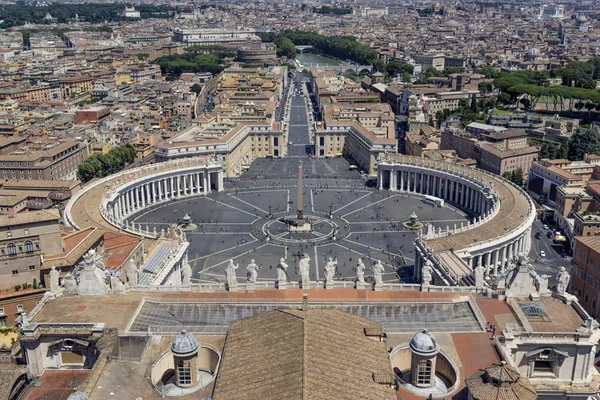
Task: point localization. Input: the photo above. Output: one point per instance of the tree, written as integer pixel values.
(474, 103)
(394, 68)
(515, 176)
(35, 284)
(585, 141)
(406, 77)
(378, 65)
(504, 98)
(543, 196)
(488, 71)
(196, 88)
(484, 87)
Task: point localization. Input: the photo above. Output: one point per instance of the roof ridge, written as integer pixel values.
(304, 358)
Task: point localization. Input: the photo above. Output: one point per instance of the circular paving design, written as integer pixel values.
(249, 220)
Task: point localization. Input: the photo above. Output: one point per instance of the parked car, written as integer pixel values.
(545, 227)
(538, 235)
(542, 253)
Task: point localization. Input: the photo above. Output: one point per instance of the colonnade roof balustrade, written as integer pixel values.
(516, 207)
(83, 210)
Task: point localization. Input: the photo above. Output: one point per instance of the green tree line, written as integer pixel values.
(332, 10)
(100, 165)
(196, 59)
(19, 13)
(577, 89)
(344, 47)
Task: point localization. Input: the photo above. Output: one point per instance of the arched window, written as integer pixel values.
(184, 373)
(12, 249)
(424, 373)
(28, 246)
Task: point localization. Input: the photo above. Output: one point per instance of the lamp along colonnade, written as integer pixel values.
(502, 216)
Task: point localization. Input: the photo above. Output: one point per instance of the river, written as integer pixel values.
(311, 58)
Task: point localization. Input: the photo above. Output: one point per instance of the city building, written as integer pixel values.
(257, 53)
(585, 277)
(26, 238)
(131, 12)
(497, 152)
(203, 36)
(46, 159)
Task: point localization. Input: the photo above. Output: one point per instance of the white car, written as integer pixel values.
(546, 227)
(290, 143)
(542, 253)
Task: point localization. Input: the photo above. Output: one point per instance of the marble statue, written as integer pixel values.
(304, 268)
(479, 272)
(92, 275)
(132, 273)
(54, 286)
(252, 271)
(378, 271)
(330, 270)
(563, 281)
(426, 273)
(230, 273)
(70, 284)
(186, 272)
(360, 272)
(282, 270)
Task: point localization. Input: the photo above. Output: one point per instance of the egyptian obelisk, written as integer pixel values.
(300, 192)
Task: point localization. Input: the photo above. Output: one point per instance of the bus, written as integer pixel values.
(434, 201)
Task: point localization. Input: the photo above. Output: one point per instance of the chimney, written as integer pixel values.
(305, 302)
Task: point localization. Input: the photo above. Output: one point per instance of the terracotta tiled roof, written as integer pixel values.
(293, 354)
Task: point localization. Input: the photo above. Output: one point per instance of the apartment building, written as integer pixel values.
(360, 132)
(546, 176)
(72, 85)
(25, 93)
(46, 158)
(496, 152)
(585, 276)
(420, 139)
(25, 239)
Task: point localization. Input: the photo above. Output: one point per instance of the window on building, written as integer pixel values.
(19, 307)
(424, 372)
(29, 246)
(12, 249)
(31, 267)
(1, 311)
(543, 368)
(184, 373)
(589, 279)
(594, 303)
(9, 235)
(582, 275)
(596, 284)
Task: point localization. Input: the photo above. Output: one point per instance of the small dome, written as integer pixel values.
(184, 344)
(424, 343)
(77, 395)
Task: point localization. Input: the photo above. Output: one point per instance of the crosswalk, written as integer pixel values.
(548, 266)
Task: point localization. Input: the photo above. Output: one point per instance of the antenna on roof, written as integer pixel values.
(305, 302)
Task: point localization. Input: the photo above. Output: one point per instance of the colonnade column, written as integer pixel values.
(393, 186)
(402, 180)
